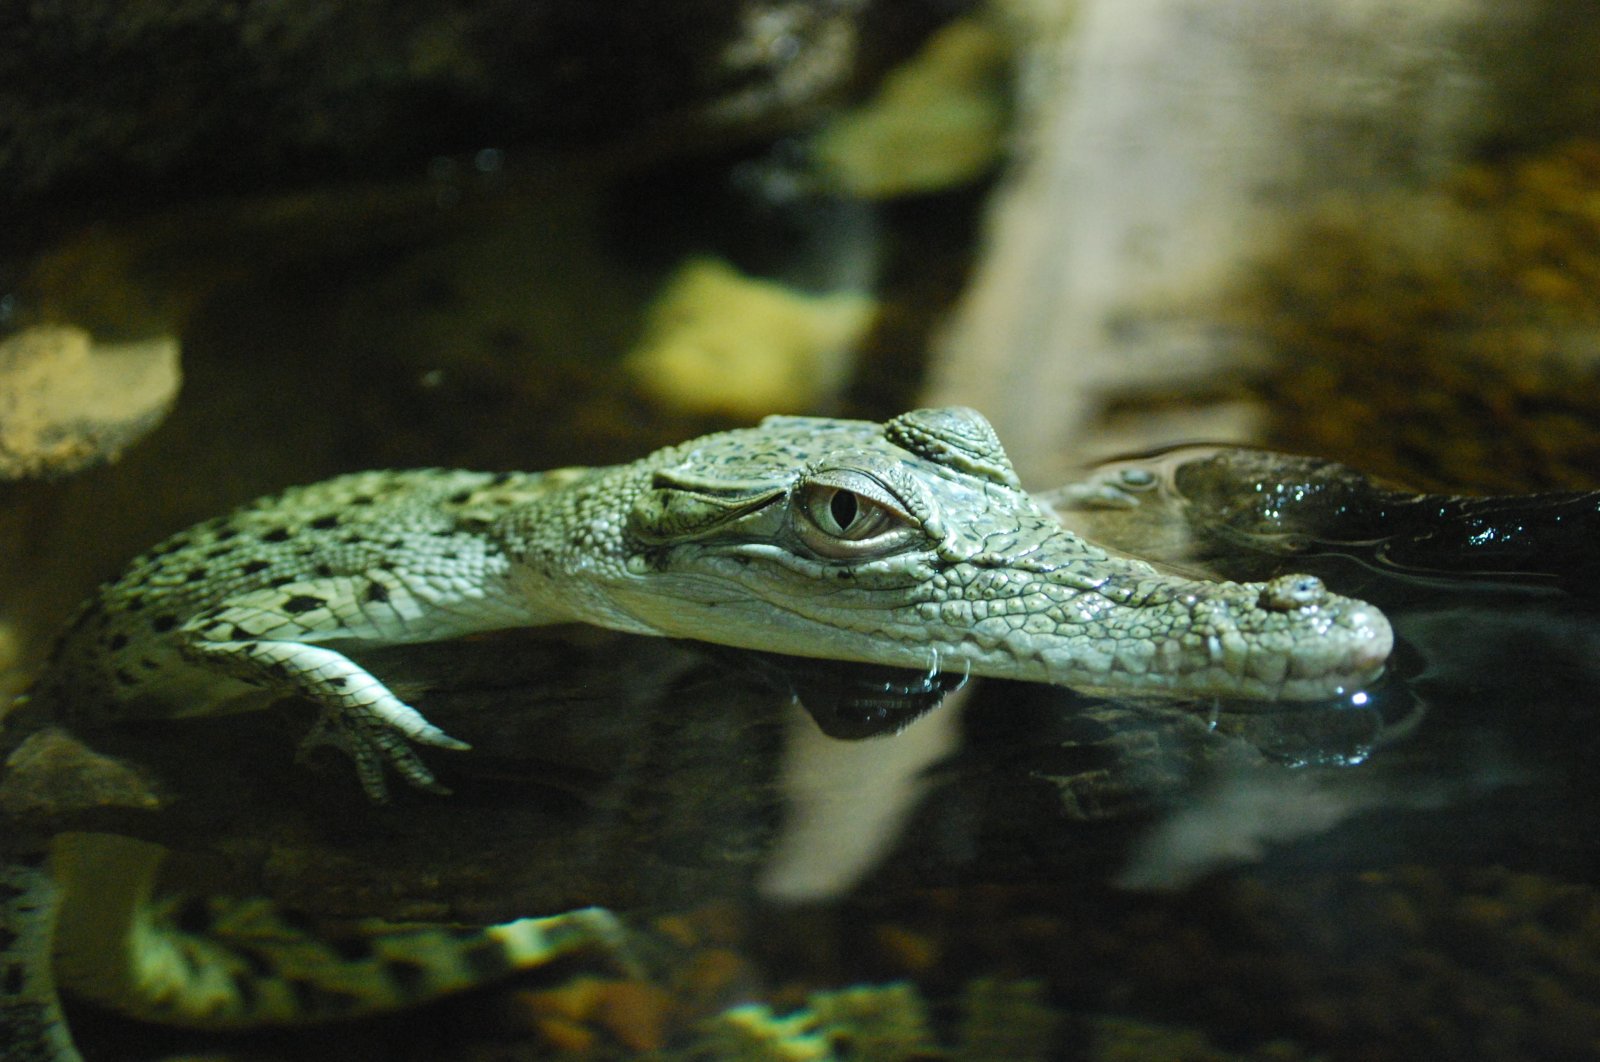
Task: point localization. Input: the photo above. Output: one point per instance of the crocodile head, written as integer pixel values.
(912, 543)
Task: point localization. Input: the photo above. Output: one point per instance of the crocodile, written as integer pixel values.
(909, 543)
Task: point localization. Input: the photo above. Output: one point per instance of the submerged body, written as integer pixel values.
(908, 543)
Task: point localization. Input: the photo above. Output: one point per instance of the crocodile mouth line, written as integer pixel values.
(1214, 668)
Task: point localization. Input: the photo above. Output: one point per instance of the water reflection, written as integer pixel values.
(1491, 598)
(848, 802)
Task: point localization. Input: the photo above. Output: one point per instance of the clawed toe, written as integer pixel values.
(375, 748)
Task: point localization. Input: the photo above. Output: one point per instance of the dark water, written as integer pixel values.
(1405, 872)
(1004, 870)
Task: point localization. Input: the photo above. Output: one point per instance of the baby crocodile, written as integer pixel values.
(907, 543)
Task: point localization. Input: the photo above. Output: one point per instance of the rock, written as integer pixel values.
(52, 774)
(718, 341)
(67, 403)
(1448, 338)
(205, 93)
(939, 121)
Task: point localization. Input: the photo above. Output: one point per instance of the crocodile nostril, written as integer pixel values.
(1287, 593)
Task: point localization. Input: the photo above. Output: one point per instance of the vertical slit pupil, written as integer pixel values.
(843, 508)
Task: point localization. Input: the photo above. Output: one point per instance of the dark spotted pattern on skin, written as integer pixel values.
(241, 602)
(32, 1028)
(908, 543)
(284, 967)
(947, 563)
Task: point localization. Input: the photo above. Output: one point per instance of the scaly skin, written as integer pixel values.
(907, 543)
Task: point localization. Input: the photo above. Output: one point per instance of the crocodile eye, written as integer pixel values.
(844, 513)
(848, 514)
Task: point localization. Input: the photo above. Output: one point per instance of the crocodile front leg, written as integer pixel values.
(265, 639)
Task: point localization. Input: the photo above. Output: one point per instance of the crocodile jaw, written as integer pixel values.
(1138, 635)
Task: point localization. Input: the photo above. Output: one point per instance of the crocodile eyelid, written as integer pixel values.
(863, 484)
